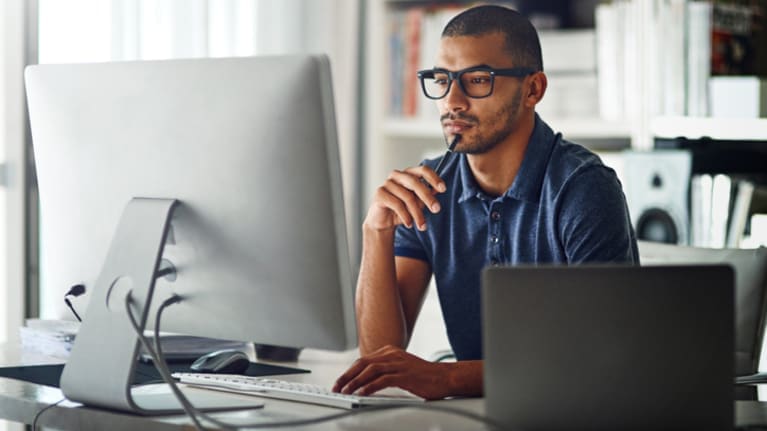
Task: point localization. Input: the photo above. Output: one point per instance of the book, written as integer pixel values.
(396, 61)
(698, 57)
(412, 52)
(740, 213)
(434, 21)
(720, 210)
(629, 56)
(701, 187)
(732, 48)
(609, 71)
(672, 16)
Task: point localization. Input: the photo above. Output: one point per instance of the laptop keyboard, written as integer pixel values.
(292, 391)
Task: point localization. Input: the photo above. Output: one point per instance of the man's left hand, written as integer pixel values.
(391, 366)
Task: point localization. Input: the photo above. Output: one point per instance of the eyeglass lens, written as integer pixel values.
(477, 83)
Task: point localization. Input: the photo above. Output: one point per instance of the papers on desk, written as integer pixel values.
(55, 338)
(49, 337)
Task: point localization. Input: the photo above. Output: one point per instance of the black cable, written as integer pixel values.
(69, 304)
(40, 413)
(195, 414)
(76, 290)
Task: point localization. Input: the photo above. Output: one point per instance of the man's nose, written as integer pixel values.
(456, 99)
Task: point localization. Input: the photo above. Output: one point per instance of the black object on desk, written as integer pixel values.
(49, 375)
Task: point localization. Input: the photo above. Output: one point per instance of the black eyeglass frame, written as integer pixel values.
(516, 72)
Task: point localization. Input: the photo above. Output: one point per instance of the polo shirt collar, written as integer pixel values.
(529, 179)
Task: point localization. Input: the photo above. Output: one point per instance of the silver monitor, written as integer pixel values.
(225, 170)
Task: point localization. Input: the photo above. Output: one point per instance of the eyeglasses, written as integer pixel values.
(476, 82)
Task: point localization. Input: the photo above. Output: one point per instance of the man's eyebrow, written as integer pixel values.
(470, 67)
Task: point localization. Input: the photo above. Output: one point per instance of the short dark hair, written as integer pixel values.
(521, 37)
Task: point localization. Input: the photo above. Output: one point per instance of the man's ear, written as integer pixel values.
(536, 88)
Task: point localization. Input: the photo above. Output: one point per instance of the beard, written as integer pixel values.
(505, 120)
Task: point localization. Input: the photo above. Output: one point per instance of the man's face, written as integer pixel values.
(483, 123)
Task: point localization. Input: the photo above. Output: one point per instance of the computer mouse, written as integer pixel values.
(227, 361)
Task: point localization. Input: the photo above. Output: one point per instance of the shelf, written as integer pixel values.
(727, 129)
(573, 129)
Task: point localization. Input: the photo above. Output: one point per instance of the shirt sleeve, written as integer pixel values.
(594, 223)
(407, 243)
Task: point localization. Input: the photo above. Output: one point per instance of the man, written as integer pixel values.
(514, 192)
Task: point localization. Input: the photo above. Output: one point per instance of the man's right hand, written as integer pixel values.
(402, 198)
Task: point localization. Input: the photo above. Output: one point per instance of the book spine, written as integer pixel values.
(608, 55)
(698, 57)
(413, 21)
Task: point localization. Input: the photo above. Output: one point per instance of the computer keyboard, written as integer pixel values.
(291, 391)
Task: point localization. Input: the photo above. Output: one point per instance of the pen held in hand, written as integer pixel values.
(446, 156)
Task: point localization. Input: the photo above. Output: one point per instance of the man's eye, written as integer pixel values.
(479, 80)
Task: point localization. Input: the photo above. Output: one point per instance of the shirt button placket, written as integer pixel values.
(494, 231)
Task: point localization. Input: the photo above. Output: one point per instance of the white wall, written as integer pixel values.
(12, 141)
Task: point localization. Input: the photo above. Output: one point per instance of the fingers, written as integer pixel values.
(374, 374)
(358, 367)
(429, 176)
(391, 366)
(382, 382)
(404, 202)
(406, 193)
(364, 369)
(353, 371)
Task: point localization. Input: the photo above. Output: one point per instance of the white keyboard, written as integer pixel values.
(292, 391)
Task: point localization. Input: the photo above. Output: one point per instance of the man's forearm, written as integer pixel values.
(380, 316)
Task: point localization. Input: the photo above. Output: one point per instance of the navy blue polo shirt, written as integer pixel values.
(564, 207)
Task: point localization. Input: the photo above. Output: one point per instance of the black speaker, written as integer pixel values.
(657, 190)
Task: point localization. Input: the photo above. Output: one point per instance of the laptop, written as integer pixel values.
(609, 347)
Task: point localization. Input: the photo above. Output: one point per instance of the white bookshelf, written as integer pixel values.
(575, 128)
(731, 129)
(572, 127)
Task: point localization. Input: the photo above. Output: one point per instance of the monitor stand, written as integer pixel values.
(102, 361)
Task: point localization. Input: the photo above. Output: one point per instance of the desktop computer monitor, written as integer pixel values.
(226, 171)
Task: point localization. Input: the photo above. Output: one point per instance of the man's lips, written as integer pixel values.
(456, 127)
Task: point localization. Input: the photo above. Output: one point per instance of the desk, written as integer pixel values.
(20, 401)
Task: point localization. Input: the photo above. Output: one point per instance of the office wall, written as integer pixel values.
(12, 171)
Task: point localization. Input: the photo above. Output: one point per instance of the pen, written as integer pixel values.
(444, 158)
